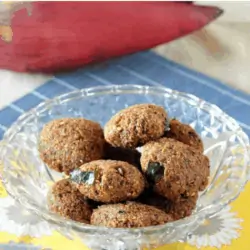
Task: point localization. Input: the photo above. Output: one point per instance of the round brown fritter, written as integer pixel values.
(135, 125)
(67, 143)
(66, 200)
(175, 169)
(132, 156)
(184, 133)
(178, 210)
(129, 215)
(109, 181)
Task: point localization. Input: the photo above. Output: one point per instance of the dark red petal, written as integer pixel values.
(67, 35)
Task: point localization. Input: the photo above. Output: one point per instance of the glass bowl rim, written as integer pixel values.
(115, 89)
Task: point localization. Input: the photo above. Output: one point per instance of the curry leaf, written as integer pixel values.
(154, 171)
(78, 176)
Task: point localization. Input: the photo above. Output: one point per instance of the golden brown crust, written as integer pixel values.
(182, 170)
(67, 143)
(129, 215)
(114, 181)
(135, 126)
(184, 133)
(66, 200)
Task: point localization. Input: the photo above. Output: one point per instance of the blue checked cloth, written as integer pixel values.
(144, 68)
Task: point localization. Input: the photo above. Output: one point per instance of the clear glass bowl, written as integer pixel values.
(28, 180)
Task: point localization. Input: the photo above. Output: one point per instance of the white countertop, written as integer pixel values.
(15, 85)
(221, 50)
